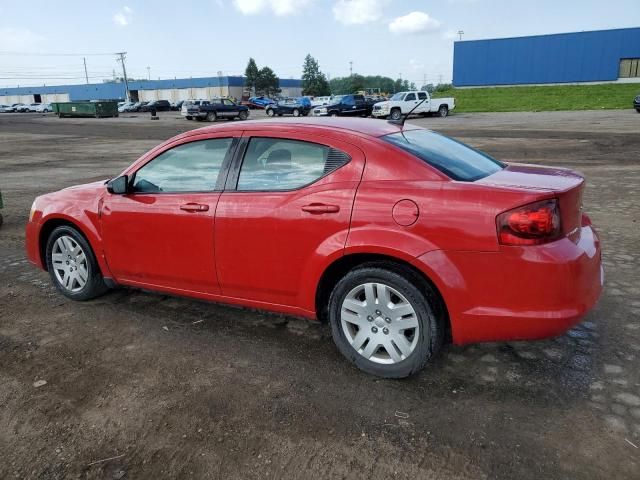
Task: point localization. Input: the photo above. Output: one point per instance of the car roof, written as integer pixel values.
(361, 126)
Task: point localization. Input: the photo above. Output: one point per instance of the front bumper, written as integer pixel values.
(519, 293)
(380, 113)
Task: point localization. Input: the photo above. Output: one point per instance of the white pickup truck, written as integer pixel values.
(402, 103)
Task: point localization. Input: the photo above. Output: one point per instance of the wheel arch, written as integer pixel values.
(338, 268)
(50, 225)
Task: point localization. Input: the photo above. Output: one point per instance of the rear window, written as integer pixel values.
(455, 159)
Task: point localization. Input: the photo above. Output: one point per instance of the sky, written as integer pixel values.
(410, 39)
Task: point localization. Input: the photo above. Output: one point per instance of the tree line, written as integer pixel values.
(264, 81)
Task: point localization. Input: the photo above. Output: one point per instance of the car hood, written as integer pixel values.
(86, 186)
(382, 104)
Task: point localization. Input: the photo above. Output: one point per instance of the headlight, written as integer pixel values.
(322, 110)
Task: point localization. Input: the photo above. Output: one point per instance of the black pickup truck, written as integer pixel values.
(346, 106)
(217, 108)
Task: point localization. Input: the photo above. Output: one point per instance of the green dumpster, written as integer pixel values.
(86, 109)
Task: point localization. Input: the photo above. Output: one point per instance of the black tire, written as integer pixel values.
(188, 117)
(333, 114)
(95, 285)
(212, 117)
(199, 119)
(270, 112)
(443, 111)
(638, 110)
(396, 114)
(296, 112)
(419, 294)
(1, 219)
(243, 115)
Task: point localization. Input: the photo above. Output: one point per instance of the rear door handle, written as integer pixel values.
(194, 207)
(319, 208)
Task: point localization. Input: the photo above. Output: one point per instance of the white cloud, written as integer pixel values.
(356, 12)
(123, 17)
(279, 8)
(19, 39)
(413, 23)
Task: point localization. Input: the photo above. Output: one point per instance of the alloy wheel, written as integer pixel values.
(380, 323)
(69, 263)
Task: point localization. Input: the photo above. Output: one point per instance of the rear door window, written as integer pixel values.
(455, 159)
(272, 164)
(409, 97)
(422, 95)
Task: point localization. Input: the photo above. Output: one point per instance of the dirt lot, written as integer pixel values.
(174, 388)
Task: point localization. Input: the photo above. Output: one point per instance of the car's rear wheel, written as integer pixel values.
(188, 117)
(385, 323)
(72, 265)
(243, 115)
(443, 111)
(333, 114)
(296, 112)
(270, 112)
(396, 114)
(211, 117)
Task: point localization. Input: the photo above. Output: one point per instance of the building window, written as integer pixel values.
(629, 68)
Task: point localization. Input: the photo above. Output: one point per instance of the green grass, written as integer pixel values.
(548, 98)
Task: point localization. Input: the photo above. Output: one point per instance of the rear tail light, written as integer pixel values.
(531, 224)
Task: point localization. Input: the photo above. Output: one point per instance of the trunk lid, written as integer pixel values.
(565, 185)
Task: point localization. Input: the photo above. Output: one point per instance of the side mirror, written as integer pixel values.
(118, 186)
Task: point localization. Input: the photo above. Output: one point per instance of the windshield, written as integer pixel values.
(335, 100)
(455, 159)
(398, 97)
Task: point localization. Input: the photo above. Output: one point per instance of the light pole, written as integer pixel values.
(149, 73)
(460, 33)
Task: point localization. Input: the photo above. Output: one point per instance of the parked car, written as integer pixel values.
(176, 106)
(44, 108)
(6, 109)
(217, 108)
(320, 101)
(258, 102)
(21, 107)
(137, 106)
(346, 106)
(184, 110)
(636, 103)
(289, 106)
(32, 107)
(398, 236)
(125, 106)
(158, 105)
(403, 102)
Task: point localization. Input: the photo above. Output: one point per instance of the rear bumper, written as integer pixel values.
(519, 293)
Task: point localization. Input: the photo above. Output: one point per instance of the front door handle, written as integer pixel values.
(194, 207)
(318, 208)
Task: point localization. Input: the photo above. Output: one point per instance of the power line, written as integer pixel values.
(32, 54)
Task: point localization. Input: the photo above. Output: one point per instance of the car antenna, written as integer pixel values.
(404, 117)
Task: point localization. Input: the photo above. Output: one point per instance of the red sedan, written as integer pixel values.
(400, 237)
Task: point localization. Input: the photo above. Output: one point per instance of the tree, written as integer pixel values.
(251, 75)
(314, 82)
(267, 83)
(429, 87)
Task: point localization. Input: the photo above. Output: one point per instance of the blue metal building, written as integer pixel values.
(177, 89)
(596, 56)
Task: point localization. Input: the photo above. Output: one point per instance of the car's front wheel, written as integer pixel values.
(296, 112)
(384, 322)
(396, 114)
(72, 265)
(243, 115)
(211, 117)
(188, 117)
(270, 112)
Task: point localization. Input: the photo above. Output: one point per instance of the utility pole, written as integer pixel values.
(440, 80)
(351, 68)
(149, 73)
(424, 79)
(86, 75)
(124, 74)
(460, 33)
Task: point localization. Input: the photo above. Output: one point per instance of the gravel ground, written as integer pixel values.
(175, 388)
